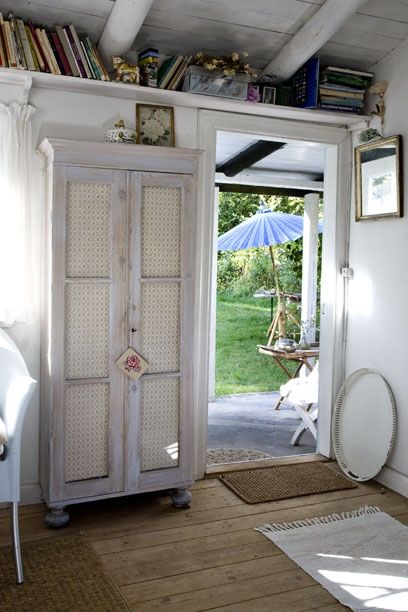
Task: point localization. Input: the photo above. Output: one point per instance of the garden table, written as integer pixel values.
(301, 357)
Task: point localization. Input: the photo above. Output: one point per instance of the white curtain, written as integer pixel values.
(16, 265)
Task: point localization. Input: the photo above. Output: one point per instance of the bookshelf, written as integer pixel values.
(27, 79)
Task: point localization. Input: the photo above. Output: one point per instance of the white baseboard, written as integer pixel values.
(30, 494)
(393, 480)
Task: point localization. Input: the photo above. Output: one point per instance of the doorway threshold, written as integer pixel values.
(222, 468)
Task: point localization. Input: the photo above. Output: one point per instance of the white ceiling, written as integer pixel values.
(302, 158)
(261, 27)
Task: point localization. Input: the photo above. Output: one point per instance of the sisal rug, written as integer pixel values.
(61, 574)
(283, 481)
(360, 557)
(234, 455)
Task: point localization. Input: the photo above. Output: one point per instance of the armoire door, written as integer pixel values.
(89, 279)
(161, 328)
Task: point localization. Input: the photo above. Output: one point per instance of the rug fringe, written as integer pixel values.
(318, 520)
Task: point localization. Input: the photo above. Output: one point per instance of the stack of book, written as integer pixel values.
(343, 89)
(172, 71)
(30, 47)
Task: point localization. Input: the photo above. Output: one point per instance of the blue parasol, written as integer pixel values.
(265, 228)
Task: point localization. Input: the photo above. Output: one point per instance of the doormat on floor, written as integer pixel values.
(283, 481)
(61, 573)
(360, 557)
(234, 455)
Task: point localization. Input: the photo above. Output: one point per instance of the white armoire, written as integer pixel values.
(119, 267)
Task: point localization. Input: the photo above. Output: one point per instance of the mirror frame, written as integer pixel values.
(358, 182)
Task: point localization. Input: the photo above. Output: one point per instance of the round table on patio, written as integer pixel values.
(302, 357)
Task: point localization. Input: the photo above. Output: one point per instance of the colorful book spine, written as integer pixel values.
(174, 72)
(21, 61)
(67, 50)
(167, 69)
(84, 63)
(11, 61)
(305, 85)
(60, 53)
(175, 82)
(48, 51)
(53, 48)
(90, 53)
(42, 60)
(88, 61)
(25, 44)
(349, 71)
(3, 51)
(342, 92)
(78, 61)
(34, 53)
(342, 78)
(13, 44)
(339, 108)
(342, 101)
(105, 75)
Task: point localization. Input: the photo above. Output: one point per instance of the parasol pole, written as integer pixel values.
(280, 316)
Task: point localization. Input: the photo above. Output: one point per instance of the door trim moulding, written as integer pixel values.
(337, 194)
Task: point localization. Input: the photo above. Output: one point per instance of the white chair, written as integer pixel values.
(16, 389)
(302, 394)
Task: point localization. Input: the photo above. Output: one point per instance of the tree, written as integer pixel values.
(243, 272)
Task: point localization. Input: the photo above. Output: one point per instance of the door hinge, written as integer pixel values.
(347, 272)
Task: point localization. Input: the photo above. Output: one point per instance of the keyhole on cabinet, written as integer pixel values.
(134, 329)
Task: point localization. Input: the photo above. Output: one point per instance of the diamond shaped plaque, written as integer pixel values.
(132, 364)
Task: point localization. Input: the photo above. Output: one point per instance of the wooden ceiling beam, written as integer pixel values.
(323, 24)
(121, 28)
(273, 179)
(249, 156)
(258, 190)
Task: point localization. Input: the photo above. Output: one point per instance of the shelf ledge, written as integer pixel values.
(27, 79)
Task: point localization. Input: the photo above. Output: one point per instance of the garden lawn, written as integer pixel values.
(242, 324)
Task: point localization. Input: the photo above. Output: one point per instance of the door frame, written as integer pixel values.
(337, 197)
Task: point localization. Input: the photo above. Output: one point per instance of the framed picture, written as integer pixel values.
(378, 179)
(269, 95)
(155, 125)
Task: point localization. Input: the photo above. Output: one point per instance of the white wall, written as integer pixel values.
(78, 117)
(378, 333)
(378, 313)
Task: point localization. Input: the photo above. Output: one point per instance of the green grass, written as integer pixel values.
(241, 325)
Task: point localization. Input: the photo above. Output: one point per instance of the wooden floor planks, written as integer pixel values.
(208, 557)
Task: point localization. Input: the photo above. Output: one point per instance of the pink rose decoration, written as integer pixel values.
(133, 363)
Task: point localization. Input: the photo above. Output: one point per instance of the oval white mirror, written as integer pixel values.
(364, 424)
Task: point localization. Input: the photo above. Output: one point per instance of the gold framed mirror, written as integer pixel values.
(378, 179)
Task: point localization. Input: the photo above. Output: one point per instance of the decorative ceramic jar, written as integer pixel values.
(286, 344)
(120, 133)
(199, 80)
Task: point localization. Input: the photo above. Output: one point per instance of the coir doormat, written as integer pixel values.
(283, 481)
(61, 574)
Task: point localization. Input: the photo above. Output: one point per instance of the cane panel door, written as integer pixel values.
(160, 322)
(89, 274)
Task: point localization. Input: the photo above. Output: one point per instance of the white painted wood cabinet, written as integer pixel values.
(118, 273)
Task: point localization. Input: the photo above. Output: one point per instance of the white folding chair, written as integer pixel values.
(16, 389)
(302, 394)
